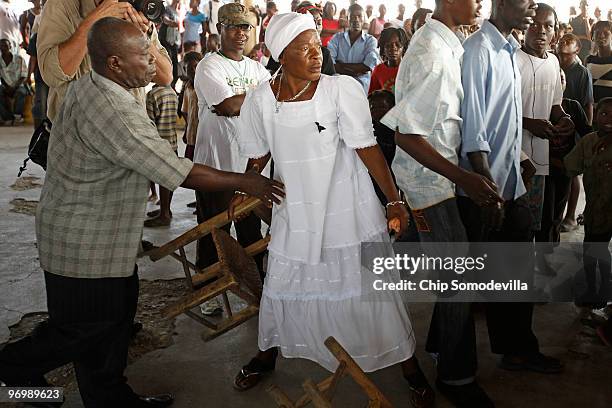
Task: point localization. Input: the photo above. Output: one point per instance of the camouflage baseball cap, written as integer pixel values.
(233, 14)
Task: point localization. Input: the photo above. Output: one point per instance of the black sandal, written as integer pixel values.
(421, 394)
(251, 374)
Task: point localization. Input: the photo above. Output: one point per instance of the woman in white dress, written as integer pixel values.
(318, 131)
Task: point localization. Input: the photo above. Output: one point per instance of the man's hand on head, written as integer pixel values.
(109, 8)
(138, 19)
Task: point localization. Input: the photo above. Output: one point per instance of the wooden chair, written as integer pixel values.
(235, 272)
(321, 394)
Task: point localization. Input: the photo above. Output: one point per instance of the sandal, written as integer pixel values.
(422, 397)
(421, 393)
(251, 374)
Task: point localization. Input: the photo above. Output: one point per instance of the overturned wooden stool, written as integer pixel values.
(236, 272)
(322, 393)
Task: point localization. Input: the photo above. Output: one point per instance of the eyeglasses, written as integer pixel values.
(236, 27)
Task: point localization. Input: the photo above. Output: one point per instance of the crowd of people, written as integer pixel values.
(444, 127)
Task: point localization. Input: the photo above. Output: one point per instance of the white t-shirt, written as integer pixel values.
(540, 89)
(397, 23)
(213, 18)
(218, 78)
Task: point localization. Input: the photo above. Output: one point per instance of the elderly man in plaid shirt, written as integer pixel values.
(102, 152)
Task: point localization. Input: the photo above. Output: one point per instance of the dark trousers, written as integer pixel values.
(173, 52)
(556, 194)
(596, 252)
(248, 231)
(509, 324)
(451, 332)
(89, 324)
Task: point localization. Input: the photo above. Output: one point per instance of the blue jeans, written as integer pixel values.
(10, 106)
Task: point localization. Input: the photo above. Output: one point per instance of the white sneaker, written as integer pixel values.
(212, 308)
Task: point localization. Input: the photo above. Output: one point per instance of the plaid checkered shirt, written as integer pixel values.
(103, 151)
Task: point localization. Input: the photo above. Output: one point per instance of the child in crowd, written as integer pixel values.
(162, 105)
(255, 53)
(600, 64)
(558, 184)
(592, 157)
(212, 44)
(381, 102)
(392, 44)
(189, 46)
(578, 89)
(189, 107)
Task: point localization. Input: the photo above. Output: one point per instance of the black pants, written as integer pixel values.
(451, 332)
(596, 252)
(89, 324)
(509, 324)
(556, 194)
(173, 52)
(248, 231)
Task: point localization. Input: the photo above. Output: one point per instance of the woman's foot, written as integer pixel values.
(421, 393)
(251, 374)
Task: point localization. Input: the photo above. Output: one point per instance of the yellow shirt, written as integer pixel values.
(59, 21)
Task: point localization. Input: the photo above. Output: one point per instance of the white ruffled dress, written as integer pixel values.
(313, 288)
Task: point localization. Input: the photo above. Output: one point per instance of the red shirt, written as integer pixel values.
(383, 77)
(329, 24)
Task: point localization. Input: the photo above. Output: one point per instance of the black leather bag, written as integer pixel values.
(37, 150)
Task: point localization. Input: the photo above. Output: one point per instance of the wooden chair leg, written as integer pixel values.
(317, 398)
(357, 373)
(281, 399)
(335, 379)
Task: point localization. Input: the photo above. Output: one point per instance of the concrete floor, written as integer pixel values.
(200, 374)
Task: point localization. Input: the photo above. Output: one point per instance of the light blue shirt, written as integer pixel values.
(363, 51)
(193, 27)
(492, 107)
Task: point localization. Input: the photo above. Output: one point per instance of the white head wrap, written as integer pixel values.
(283, 28)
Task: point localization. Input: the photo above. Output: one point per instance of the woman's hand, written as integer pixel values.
(236, 200)
(398, 218)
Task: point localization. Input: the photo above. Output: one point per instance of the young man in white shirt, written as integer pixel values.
(542, 94)
(427, 122)
(221, 82)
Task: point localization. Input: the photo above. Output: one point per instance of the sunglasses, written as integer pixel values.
(236, 27)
